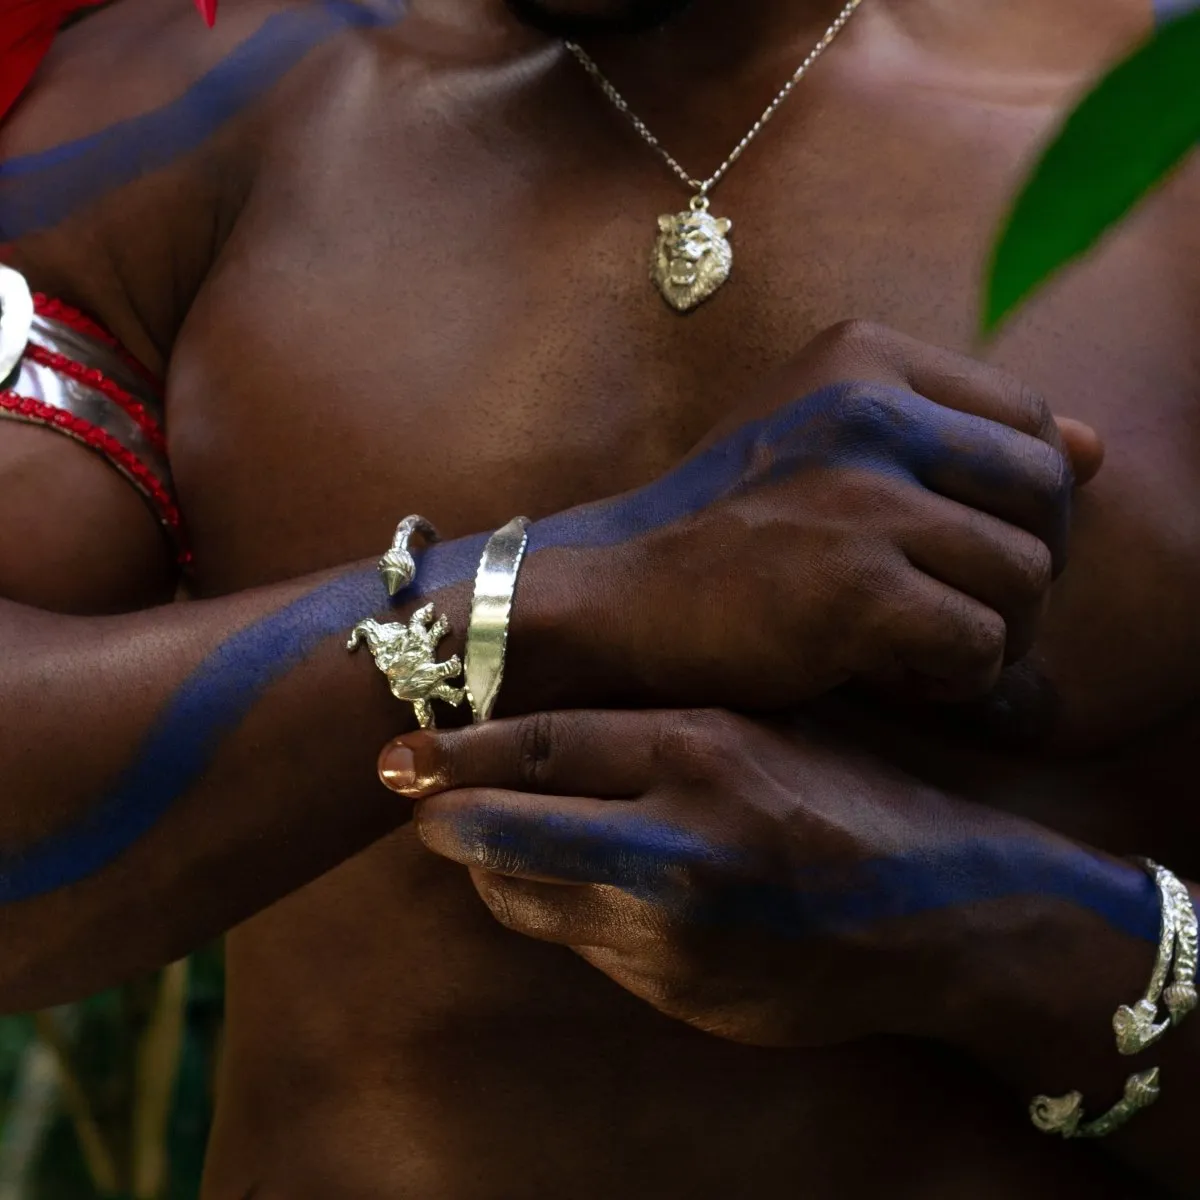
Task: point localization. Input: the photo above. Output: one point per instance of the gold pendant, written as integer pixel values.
(692, 255)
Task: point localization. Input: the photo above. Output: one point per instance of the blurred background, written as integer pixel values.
(111, 1099)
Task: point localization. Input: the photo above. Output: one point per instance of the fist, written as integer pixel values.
(882, 511)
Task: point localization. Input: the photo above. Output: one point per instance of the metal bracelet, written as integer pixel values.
(1135, 1026)
(1180, 996)
(491, 607)
(406, 652)
(1064, 1114)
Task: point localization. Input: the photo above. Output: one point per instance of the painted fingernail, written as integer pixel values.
(398, 768)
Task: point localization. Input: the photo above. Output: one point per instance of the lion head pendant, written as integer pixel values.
(692, 255)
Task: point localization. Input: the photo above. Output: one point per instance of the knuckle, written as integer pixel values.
(489, 842)
(872, 413)
(979, 632)
(698, 743)
(1034, 566)
(1030, 412)
(1050, 473)
(495, 895)
(869, 496)
(535, 741)
(858, 335)
(869, 572)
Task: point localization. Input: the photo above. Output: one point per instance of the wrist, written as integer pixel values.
(567, 638)
(1031, 990)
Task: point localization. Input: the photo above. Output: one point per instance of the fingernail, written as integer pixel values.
(398, 768)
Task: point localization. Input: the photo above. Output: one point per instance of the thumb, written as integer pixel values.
(1083, 446)
(416, 765)
(575, 753)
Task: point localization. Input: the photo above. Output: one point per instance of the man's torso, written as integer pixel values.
(432, 294)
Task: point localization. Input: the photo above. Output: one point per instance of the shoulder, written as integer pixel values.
(120, 62)
(134, 147)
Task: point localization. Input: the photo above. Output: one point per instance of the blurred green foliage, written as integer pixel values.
(1127, 134)
(112, 1097)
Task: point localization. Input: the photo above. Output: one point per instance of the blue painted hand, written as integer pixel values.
(758, 883)
(900, 524)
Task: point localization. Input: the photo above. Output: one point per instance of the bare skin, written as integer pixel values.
(374, 258)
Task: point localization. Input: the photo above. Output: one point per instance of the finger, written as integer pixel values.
(950, 639)
(1001, 566)
(990, 467)
(553, 838)
(567, 914)
(572, 753)
(967, 385)
(959, 382)
(1084, 448)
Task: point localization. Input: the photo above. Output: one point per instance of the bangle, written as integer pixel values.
(1134, 1025)
(491, 607)
(1064, 1114)
(406, 652)
(1180, 997)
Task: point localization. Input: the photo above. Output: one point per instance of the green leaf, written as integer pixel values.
(1138, 123)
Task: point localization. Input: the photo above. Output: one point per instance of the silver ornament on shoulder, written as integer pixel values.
(692, 255)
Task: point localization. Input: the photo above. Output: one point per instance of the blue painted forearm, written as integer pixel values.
(216, 698)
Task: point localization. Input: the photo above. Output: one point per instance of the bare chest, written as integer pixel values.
(467, 329)
(471, 331)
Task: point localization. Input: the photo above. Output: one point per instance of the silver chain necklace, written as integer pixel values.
(692, 255)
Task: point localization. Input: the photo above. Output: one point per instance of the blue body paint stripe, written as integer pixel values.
(646, 858)
(220, 693)
(39, 190)
(957, 874)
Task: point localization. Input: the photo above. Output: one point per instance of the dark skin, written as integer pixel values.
(386, 1036)
(680, 852)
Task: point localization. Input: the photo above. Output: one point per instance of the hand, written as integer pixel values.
(779, 890)
(768, 888)
(900, 524)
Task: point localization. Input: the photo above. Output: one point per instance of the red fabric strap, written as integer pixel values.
(27, 31)
(135, 443)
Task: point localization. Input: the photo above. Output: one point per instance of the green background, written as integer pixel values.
(143, 1058)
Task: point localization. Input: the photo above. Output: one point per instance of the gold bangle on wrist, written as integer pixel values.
(1135, 1025)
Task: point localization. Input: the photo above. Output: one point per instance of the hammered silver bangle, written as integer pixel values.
(491, 608)
(1135, 1025)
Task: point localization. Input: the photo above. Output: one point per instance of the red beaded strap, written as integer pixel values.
(38, 413)
(95, 378)
(75, 318)
(110, 403)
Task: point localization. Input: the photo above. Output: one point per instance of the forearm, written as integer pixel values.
(1031, 995)
(168, 773)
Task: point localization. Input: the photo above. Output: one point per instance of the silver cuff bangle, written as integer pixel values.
(1136, 1026)
(491, 607)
